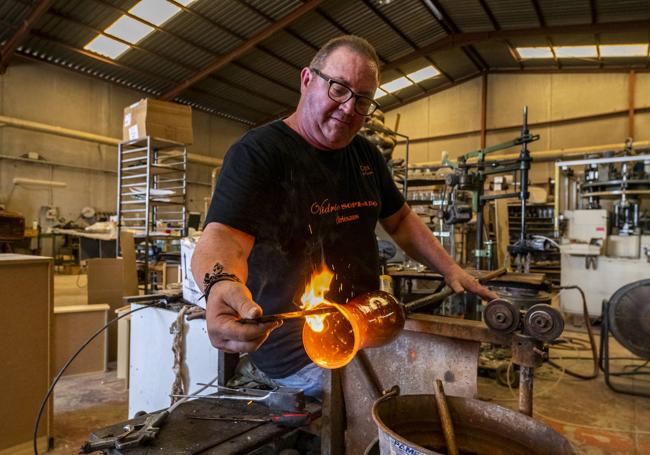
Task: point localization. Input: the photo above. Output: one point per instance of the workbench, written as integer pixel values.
(181, 434)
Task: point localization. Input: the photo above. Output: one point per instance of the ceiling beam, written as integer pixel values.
(168, 60)
(271, 20)
(231, 32)
(463, 39)
(398, 32)
(156, 78)
(10, 46)
(241, 50)
(495, 24)
(205, 50)
(451, 28)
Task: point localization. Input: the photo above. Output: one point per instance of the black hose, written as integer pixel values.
(592, 341)
(67, 364)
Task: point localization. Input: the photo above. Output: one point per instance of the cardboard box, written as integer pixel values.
(159, 119)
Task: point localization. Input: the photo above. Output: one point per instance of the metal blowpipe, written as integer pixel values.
(290, 315)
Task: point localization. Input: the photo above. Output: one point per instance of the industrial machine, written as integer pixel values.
(471, 177)
(604, 224)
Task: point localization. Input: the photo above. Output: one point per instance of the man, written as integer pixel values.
(299, 194)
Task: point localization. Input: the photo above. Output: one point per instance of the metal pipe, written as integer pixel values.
(526, 390)
(554, 154)
(90, 137)
(524, 165)
(445, 418)
(556, 203)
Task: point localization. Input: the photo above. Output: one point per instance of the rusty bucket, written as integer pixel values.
(409, 424)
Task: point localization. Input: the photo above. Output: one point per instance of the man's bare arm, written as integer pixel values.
(229, 301)
(416, 239)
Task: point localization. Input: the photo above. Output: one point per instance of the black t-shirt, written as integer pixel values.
(306, 208)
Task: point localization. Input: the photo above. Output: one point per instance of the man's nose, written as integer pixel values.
(348, 106)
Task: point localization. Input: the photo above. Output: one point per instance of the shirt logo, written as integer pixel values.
(366, 170)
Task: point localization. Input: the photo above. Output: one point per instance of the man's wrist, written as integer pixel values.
(218, 274)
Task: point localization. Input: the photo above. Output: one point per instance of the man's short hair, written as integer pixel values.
(355, 43)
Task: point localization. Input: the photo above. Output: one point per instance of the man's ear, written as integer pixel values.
(306, 76)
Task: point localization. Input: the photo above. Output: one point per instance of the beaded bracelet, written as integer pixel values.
(216, 276)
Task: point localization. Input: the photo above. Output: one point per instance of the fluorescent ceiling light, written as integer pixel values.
(129, 29)
(155, 11)
(535, 52)
(623, 50)
(396, 85)
(106, 46)
(575, 51)
(379, 93)
(185, 2)
(425, 73)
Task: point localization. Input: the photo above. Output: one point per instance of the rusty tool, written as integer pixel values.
(439, 297)
(289, 315)
(445, 418)
(286, 419)
(282, 399)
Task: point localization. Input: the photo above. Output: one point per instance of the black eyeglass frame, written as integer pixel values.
(374, 105)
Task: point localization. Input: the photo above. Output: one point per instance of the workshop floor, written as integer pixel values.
(594, 418)
(83, 403)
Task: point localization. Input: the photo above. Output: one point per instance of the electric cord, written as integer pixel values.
(536, 394)
(592, 341)
(70, 360)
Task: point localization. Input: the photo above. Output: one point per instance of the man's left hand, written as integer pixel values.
(461, 281)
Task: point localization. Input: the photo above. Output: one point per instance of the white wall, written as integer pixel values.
(49, 94)
(550, 97)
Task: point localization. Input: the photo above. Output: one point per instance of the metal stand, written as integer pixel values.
(151, 192)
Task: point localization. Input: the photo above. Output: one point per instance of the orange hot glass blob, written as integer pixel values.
(369, 320)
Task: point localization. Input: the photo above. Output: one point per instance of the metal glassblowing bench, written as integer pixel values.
(211, 426)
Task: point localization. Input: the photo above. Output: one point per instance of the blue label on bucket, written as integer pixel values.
(399, 448)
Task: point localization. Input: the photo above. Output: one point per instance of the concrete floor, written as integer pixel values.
(597, 420)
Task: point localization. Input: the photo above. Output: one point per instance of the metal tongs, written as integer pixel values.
(134, 434)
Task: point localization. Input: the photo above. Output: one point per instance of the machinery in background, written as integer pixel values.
(605, 225)
(472, 176)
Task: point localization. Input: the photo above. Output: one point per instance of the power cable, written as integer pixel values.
(71, 359)
(592, 341)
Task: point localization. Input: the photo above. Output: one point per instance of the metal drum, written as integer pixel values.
(409, 424)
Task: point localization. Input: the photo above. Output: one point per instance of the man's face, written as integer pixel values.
(328, 124)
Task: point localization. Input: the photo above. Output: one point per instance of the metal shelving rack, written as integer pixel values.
(151, 191)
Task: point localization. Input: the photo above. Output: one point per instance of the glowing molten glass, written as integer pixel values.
(315, 296)
(369, 320)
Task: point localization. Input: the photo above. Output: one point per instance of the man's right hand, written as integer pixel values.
(228, 302)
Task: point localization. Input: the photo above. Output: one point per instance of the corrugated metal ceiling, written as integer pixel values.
(263, 82)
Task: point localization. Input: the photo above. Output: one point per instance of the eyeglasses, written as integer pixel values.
(341, 93)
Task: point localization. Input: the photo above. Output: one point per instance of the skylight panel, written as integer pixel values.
(535, 52)
(155, 11)
(623, 50)
(129, 29)
(106, 46)
(395, 85)
(379, 93)
(425, 73)
(575, 51)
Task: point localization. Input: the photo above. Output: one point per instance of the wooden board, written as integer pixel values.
(25, 350)
(73, 325)
(105, 285)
